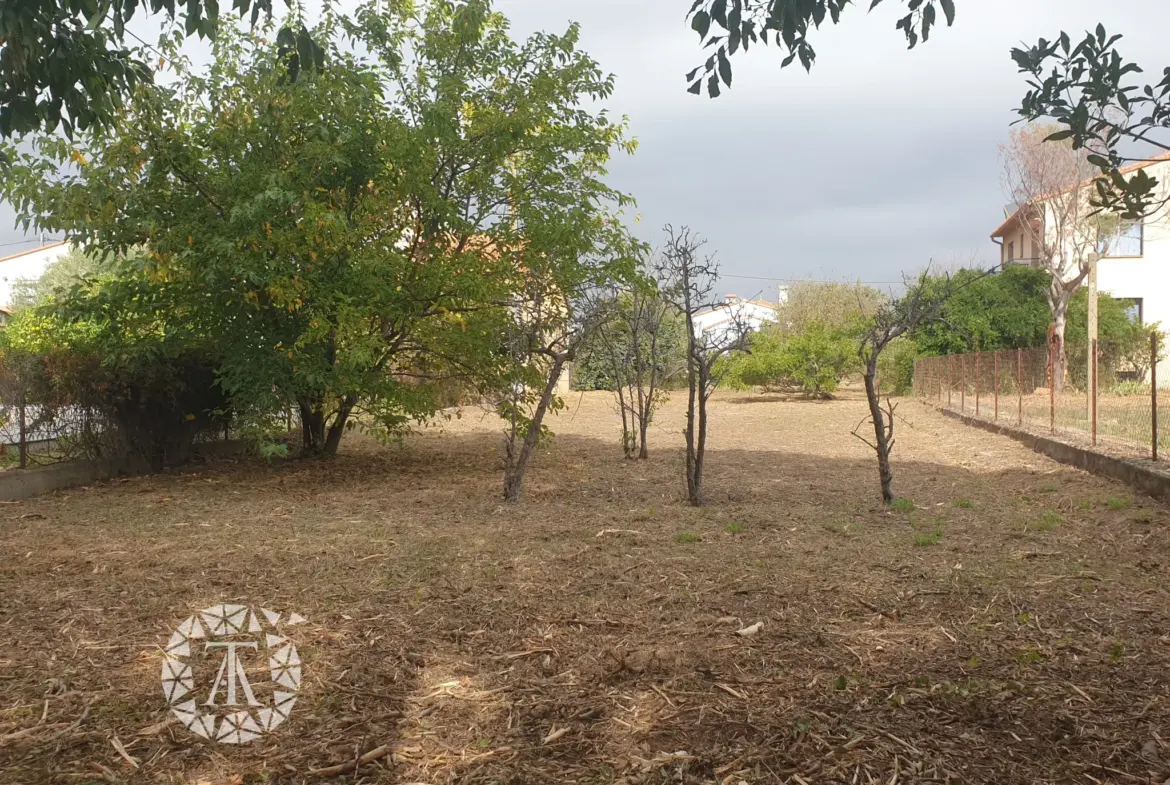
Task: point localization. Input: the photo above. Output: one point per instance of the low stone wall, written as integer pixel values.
(1144, 478)
(22, 483)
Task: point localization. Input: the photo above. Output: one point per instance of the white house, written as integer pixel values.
(1136, 262)
(27, 265)
(719, 320)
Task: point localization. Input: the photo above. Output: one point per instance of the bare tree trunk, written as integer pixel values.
(695, 481)
(628, 418)
(337, 429)
(881, 430)
(643, 426)
(312, 427)
(1060, 297)
(693, 397)
(517, 462)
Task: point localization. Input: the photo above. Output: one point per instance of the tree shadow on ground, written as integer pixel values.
(999, 632)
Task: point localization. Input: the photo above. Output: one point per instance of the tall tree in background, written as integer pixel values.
(687, 277)
(729, 26)
(1051, 183)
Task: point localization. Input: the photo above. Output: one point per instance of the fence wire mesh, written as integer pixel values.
(1118, 404)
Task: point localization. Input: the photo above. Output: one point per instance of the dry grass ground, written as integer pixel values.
(1013, 627)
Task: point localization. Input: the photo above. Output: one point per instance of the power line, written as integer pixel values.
(808, 280)
(31, 240)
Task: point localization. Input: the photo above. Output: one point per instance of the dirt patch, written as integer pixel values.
(1009, 624)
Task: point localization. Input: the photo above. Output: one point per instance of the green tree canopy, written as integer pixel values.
(730, 26)
(342, 239)
(67, 63)
(1008, 310)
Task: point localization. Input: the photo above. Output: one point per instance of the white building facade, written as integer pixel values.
(1135, 265)
(27, 265)
(720, 321)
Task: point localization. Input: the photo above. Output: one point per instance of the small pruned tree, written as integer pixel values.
(921, 304)
(688, 276)
(640, 348)
(556, 305)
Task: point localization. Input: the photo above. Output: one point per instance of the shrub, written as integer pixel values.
(812, 361)
(142, 392)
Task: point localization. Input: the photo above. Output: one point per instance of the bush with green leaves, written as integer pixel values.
(1007, 310)
(144, 387)
(896, 366)
(1123, 344)
(812, 361)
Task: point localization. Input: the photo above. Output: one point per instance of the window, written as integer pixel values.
(1133, 308)
(1126, 241)
(1011, 251)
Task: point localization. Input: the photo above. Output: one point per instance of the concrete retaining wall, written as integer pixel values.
(1143, 478)
(22, 483)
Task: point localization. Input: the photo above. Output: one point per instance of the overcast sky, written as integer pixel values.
(878, 161)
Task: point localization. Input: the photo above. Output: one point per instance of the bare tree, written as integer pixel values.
(1052, 186)
(639, 345)
(545, 331)
(921, 304)
(688, 281)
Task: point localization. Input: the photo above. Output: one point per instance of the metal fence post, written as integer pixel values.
(23, 431)
(950, 369)
(995, 382)
(962, 382)
(1093, 391)
(1020, 385)
(1154, 395)
(978, 378)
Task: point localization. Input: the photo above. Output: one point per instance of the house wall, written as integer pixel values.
(1146, 277)
(1023, 250)
(720, 319)
(27, 265)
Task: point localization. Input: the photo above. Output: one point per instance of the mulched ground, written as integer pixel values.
(1013, 627)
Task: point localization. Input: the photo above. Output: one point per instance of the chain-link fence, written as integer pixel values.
(1116, 401)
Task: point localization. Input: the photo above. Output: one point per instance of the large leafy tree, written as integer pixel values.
(68, 62)
(341, 236)
(727, 27)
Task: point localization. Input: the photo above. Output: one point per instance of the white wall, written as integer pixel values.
(1148, 276)
(27, 265)
(720, 320)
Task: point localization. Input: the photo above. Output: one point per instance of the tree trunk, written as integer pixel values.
(628, 436)
(337, 429)
(692, 416)
(1058, 356)
(701, 438)
(643, 426)
(312, 427)
(517, 462)
(879, 427)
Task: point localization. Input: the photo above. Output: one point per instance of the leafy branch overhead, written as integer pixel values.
(1085, 87)
(729, 26)
(66, 64)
